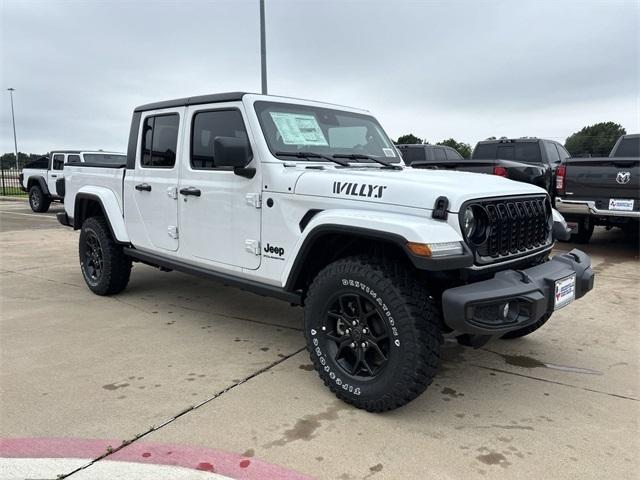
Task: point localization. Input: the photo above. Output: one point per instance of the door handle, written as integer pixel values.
(190, 191)
(143, 187)
(54, 176)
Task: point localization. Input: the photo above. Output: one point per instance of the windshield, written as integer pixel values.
(107, 158)
(294, 128)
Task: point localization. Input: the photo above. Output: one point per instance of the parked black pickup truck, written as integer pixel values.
(601, 190)
(529, 160)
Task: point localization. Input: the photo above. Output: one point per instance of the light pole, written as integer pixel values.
(13, 119)
(263, 49)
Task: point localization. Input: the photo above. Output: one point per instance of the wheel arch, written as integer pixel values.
(89, 204)
(330, 242)
(39, 181)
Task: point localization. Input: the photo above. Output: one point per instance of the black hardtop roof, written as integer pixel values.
(199, 100)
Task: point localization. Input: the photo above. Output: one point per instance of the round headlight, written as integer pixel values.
(468, 222)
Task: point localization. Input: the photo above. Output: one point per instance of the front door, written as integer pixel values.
(219, 211)
(150, 190)
(55, 172)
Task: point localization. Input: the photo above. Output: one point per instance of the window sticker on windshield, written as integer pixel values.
(298, 129)
(388, 152)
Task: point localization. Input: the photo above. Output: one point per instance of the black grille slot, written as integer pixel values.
(515, 226)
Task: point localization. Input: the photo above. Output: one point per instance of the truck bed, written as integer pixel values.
(88, 178)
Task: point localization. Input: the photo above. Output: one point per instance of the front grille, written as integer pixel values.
(514, 226)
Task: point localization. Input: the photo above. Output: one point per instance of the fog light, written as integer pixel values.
(505, 311)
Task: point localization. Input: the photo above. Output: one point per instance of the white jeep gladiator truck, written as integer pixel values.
(311, 203)
(41, 177)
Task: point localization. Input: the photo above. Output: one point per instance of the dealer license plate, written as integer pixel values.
(565, 291)
(620, 204)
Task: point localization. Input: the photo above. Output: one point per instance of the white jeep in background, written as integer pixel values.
(39, 177)
(311, 203)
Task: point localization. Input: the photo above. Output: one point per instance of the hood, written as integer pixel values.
(408, 187)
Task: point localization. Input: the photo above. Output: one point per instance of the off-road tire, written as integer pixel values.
(413, 320)
(526, 330)
(115, 265)
(38, 200)
(585, 230)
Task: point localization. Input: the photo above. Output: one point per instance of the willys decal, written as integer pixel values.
(359, 189)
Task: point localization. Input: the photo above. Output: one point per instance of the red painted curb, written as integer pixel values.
(225, 463)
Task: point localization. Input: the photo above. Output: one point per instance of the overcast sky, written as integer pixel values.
(439, 69)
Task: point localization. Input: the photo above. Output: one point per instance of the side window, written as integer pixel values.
(205, 127)
(73, 159)
(160, 141)
(552, 152)
(438, 153)
(413, 154)
(453, 154)
(58, 162)
(562, 152)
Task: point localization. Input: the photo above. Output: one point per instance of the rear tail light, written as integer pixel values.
(561, 179)
(500, 171)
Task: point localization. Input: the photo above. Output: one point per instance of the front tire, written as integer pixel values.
(38, 201)
(105, 267)
(372, 332)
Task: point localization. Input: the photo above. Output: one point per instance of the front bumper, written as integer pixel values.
(588, 207)
(478, 308)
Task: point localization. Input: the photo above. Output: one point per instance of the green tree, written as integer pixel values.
(597, 139)
(463, 149)
(408, 139)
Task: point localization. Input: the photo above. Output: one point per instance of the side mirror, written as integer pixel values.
(231, 152)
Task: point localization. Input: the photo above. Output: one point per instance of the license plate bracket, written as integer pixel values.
(564, 292)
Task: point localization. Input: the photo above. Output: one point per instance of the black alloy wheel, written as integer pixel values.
(357, 336)
(93, 257)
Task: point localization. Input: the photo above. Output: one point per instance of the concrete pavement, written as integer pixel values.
(183, 361)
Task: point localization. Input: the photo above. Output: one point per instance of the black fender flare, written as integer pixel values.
(42, 183)
(420, 263)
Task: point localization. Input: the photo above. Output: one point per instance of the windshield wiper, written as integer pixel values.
(312, 155)
(360, 156)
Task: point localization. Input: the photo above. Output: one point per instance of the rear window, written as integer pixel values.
(105, 158)
(628, 147)
(438, 154)
(527, 152)
(453, 154)
(413, 154)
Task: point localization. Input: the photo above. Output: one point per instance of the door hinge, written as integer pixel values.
(254, 199)
(172, 231)
(252, 246)
(172, 192)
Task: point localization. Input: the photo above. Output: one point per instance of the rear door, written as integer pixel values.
(150, 189)
(219, 210)
(55, 172)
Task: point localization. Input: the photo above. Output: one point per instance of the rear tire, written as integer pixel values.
(372, 332)
(105, 267)
(527, 330)
(38, 201)
(585, 230)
